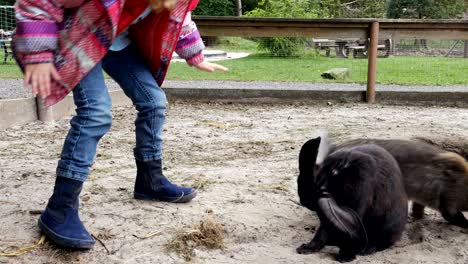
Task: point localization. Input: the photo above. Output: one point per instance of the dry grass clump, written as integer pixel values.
(282, 187)
(208, 234)
(200, 182)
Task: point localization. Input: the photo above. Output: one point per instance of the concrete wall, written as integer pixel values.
(17, 112)
(14, 112)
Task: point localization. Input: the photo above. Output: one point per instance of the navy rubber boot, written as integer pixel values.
(60, 221)
(151, 184)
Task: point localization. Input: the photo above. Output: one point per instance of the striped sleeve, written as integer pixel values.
(190, 45)
(36, 29)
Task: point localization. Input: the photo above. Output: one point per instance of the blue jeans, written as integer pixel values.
(93, 112)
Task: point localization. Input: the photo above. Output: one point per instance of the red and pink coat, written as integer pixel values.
(76, 34)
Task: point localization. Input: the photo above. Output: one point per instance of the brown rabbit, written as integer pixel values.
(432, 176)
(457, 145)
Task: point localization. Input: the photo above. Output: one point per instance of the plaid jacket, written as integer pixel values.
(76, 34)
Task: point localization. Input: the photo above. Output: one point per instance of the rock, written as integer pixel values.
(336, 74)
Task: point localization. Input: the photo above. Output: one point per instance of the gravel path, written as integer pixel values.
(13, 88)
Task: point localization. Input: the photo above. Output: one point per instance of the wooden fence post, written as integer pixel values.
(44, 113)
(372, 63)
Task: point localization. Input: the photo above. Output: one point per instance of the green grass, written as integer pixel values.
(393, 70)
(9, 70)
(423, 71)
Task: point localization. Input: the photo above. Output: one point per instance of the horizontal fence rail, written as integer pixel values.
(332, 28)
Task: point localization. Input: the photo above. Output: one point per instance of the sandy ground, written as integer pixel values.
(244, 157)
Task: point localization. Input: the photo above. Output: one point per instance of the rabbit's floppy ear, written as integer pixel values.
(343, 220)
(306, 178)
(324, 147)
(308, 156)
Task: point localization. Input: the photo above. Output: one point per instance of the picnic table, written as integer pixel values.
(384, 48)
(357, 47)
(327, 44)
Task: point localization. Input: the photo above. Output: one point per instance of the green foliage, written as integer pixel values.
(249, 5)
(282, 47)
(287, 9)
(420, 9)
(7, 2)
(215, 8)
(363, 9)
(222, 7)
(279, 47)
(320, 8)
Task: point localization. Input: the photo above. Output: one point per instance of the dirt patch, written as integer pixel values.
(244, 160)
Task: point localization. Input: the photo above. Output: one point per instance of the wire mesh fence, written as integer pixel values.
(301, 58)
(7, 25)
(406, 62)
(7, 18)
(278, 59)
(438, 62)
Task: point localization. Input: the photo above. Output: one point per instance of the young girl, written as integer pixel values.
(63, 46)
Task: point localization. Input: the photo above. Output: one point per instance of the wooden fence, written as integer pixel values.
(372, 29)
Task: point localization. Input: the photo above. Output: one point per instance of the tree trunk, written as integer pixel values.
(466, 49)
(238, 8)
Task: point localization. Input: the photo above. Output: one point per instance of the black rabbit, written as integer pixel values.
(358, 195)
(432, 176)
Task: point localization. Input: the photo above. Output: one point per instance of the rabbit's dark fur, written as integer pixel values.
(358, 195)
(432, 176)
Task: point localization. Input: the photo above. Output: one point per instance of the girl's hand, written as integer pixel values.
(38, 77)
(210, 67)
(160, 5)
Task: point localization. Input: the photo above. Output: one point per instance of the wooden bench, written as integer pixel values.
(357, 47)
(340, 45)
(360, 51)
(324, 44)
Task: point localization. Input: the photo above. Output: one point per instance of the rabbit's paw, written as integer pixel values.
(309, 248)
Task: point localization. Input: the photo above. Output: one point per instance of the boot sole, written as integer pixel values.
(182, 199)
(65, 241)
